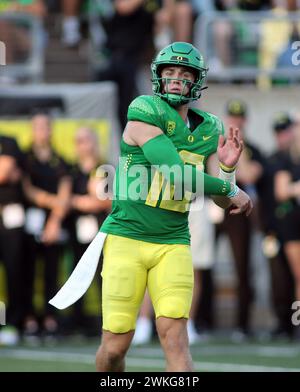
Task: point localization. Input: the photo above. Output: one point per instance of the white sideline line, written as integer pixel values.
(266, 351)
(48, 356)
(145, 363)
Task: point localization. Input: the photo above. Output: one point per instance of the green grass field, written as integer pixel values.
(218, 355)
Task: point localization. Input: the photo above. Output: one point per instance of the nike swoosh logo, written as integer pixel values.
(207, 137)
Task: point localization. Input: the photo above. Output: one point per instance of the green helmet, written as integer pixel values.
(184, 54)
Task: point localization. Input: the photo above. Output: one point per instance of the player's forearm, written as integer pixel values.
(221, 201)
(160, 151)
(228, 174)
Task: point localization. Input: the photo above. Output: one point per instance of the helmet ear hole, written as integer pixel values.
(159, 70)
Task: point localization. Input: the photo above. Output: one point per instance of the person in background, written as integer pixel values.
(128, 44)
(271, 212)
(47, 187)
(15, 37)
(287, 193)
(173, 22)
(12, 218)
(71, 34)
(87, 210)
(275, 41)
(239, 228)
(202, 246)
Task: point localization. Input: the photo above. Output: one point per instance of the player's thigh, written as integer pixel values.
(171, 282)
(123, 283)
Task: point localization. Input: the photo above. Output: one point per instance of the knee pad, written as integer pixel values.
(173, 307)
(119, 322)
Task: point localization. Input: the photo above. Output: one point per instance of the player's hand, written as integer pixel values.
(230, 149)
(241, 203)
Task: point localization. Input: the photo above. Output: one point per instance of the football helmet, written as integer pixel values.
(184, 54)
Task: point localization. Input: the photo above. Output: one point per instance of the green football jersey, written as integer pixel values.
(157, 218)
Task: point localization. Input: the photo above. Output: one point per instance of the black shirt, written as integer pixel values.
(269, 206)
(129, 36)
(45, 175)
(80, 181)
(253, 155)
(11, 192)
(292, 165)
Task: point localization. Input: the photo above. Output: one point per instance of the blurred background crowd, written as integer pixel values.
(63, 63)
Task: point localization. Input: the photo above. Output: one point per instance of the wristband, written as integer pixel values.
(227, 169)
(227, 176)
(233, 192)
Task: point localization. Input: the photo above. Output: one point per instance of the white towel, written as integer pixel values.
(82, 276)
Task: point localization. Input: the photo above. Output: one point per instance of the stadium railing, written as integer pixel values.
(258, 44)
(30, 67)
